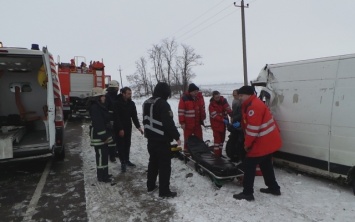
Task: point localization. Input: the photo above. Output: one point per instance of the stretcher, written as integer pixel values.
(219, 169)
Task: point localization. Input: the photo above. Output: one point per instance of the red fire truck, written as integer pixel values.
(77, 80)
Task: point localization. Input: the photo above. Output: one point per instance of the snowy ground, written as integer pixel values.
(303, 198)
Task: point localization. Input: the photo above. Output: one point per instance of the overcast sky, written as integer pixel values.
(121, 31)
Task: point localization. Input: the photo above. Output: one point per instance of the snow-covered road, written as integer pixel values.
(303, 198)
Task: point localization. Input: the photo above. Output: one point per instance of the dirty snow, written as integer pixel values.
(303, 198)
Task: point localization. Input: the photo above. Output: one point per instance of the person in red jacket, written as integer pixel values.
(262, 139)
(219, 111)
(192, 113)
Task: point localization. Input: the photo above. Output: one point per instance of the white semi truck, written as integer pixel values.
(313, 104)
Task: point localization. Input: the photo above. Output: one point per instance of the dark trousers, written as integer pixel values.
(235, 145)
(159, 163)
(124, 145)
(102, 161)
(266, 167)
(112, 147)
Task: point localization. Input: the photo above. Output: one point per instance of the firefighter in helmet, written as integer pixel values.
(100, 133)
(111, 98)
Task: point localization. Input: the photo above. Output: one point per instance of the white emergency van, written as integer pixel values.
(313, 104)
(31, 112)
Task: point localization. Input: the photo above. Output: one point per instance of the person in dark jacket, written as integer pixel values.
(100, 133)
(125, 112)
(160, 130)
(111, 98)
(235, 144)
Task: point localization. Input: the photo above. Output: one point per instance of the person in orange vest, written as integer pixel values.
(219, 111)
(192, 113)
(262, 139)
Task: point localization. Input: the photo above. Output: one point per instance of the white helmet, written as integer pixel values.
(97, 91)
(113, 84)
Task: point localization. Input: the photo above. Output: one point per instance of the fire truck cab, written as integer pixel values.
(77, 80)
(31, 113)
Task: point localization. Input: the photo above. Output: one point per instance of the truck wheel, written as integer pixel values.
(59, 156)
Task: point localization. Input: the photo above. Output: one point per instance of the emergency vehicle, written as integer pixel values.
(312, 102)
(77, 80)
(31, 112)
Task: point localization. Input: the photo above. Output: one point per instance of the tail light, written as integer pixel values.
(59, 117)
(58, 113)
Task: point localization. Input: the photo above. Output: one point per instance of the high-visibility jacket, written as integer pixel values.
(191, 111)
(158, 120)
(219, 110)
(262, 134)
(100, 130)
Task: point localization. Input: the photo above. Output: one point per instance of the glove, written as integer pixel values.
(225, 121)
(236, 124)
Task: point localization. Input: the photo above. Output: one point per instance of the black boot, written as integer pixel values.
(123, 167)
(169, 194)
(107, 180)
(269, 191)
(130, 164)
(243, 196)
(152, 189)
(113, 159)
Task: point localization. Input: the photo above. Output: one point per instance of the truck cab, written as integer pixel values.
(31, 112)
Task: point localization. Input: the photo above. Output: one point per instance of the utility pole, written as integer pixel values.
(244, 41)
(120, 76)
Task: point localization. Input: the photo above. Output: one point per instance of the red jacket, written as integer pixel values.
(191, 110)
(218, 112)
(262, 135)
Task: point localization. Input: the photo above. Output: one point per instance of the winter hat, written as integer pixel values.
(246, 90)
(193, 87)
(214, 93)
(162, 90)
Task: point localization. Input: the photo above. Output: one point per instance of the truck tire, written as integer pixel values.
(59, 156)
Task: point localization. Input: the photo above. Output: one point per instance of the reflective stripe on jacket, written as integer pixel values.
(149, 122)
(158, 120)
(100, 124)
(191, 110)
(262, 135)
(218, 111)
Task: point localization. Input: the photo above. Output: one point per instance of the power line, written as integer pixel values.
(203, 22)
(197, 18)
(208, 26)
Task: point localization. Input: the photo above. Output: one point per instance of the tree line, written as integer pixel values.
(168, 62)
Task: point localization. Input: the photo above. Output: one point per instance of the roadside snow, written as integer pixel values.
(303, 198)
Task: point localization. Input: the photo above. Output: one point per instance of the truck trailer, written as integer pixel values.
(313, 104)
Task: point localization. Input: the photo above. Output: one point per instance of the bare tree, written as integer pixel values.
(169, 54)
(167, 66)
(140, 79)
(186, 61)
(156, 56)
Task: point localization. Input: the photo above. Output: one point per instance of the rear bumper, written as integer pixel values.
(33, 150)
(59, 140)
